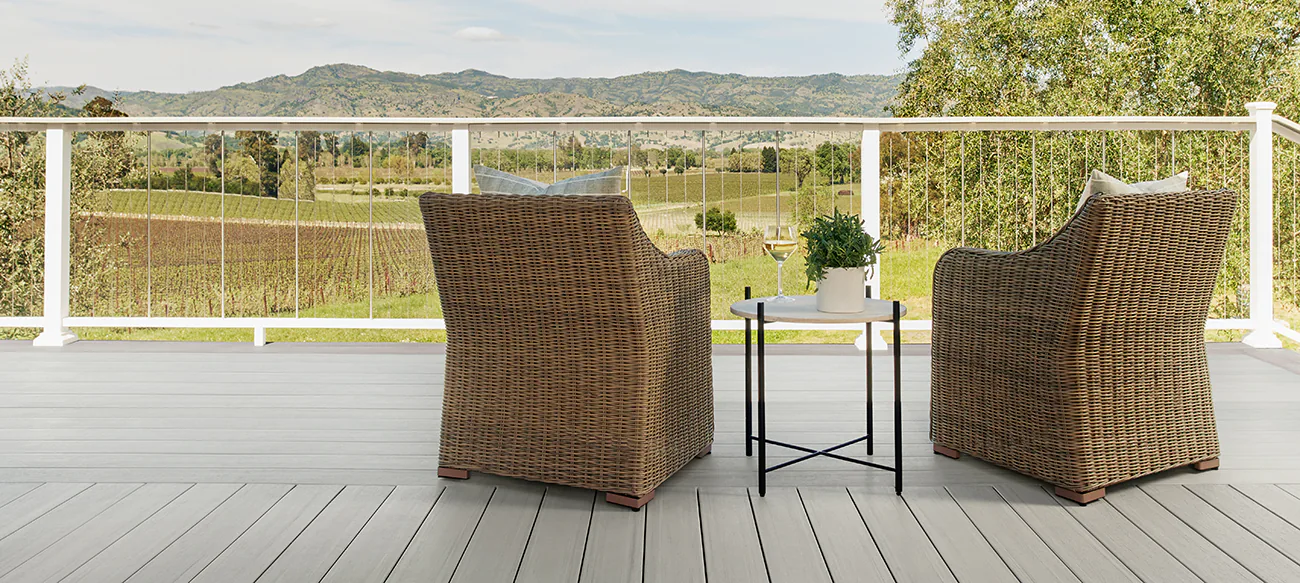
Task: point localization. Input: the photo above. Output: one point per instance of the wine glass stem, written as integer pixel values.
(779, 292)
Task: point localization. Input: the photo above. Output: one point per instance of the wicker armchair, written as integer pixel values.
(578, 353)
(1081, 362)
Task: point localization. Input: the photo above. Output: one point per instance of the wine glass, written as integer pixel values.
(780, 243)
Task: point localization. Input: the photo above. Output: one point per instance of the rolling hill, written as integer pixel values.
(352, 90)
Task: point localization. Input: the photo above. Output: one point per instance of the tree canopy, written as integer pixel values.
(1097, 57)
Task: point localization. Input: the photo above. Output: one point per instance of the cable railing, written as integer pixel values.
(312, 223)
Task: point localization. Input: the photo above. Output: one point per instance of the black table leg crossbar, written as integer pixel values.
(812, 453)
(762, 439)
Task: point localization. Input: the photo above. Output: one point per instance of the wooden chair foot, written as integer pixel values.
(1205, 465)
(708, 449)
(629, 501)
(453, 473)
(947, 451)
(1081, 497)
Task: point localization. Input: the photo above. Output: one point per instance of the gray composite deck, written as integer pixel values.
(228, 463)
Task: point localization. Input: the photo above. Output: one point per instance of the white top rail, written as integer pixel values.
(1286, 128)
(564, 124)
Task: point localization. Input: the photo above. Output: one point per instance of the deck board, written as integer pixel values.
(194, 550)
(70, 552)
(1023, 550)
(497, 547)
(1248, 549)
(374, 552)
(555, 548)
(615, 550)
(314, 463)
(258, 547)
(966, 551)
(314, 552)
(124, 556)
(790, 547)
(674, 545)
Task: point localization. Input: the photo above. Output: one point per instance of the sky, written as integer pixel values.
(183, 45)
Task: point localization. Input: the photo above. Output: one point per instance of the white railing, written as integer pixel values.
(56, 320)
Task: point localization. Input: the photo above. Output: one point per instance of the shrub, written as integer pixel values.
(716, 220)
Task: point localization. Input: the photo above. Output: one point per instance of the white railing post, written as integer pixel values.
(871, 218)
(58, 235)
(1261, 228)
(460, 158)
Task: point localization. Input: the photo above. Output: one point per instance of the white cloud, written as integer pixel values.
(480, 34)
(721, 10)
(164, 45)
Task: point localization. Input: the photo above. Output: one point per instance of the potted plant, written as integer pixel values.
(840, 254)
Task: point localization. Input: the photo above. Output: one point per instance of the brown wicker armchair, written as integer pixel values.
(578, 353)
(1081, 361)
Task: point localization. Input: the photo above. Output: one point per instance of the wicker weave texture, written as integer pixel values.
(578, 353)
(1081, 361)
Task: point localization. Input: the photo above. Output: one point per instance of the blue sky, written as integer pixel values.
(182, 45)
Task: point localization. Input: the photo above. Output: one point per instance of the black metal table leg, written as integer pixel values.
(870, 415)
(749, 388)
(762, 409)
(898, 400)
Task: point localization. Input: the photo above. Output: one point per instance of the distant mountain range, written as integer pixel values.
(352, 90)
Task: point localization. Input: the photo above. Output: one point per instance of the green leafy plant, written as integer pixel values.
(838, 241)
(721, 222)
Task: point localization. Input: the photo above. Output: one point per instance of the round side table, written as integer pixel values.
(803, 309)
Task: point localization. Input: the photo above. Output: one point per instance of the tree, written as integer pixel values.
(260, 146)
(212, 151)
(769, 159)
(96, 167)
(1095, 57)
(718, 221)
(19, 99)
(797, 161)
(295, 185)
(308, 142)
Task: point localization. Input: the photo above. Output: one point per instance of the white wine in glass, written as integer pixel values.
(780, 243)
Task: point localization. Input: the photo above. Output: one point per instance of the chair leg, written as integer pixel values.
(635, 503)
(1205, 465)
(947, 451)
(1081, 497)
(708, 449)
(453, 473)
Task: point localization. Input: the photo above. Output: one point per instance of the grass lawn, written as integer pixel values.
(908, 277)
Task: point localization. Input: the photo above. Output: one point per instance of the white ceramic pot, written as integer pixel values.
(842, 290)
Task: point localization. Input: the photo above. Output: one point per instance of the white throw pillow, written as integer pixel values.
(1100, 182)
(493, 181)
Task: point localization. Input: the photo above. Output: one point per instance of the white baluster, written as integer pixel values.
(58, 235)
(1261, 228)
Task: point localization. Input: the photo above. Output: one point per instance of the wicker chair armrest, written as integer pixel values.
(1004, 287)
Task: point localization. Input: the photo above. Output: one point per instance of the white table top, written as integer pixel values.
(804, 310)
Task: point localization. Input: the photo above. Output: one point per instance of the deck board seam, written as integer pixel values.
(883, 559)
(930, 539)
(23, 493)
(813, 528)
(354, 535)
(529, 539)
(407, 547)
(237, 537)
(132, 529)
(1036, 534)
(1244, 526)
(469, 540)
(758, 532)
(185, 532)
(1137, 527)
(1198, 532)
(586, 540)
(49, 510)
(66, 534)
